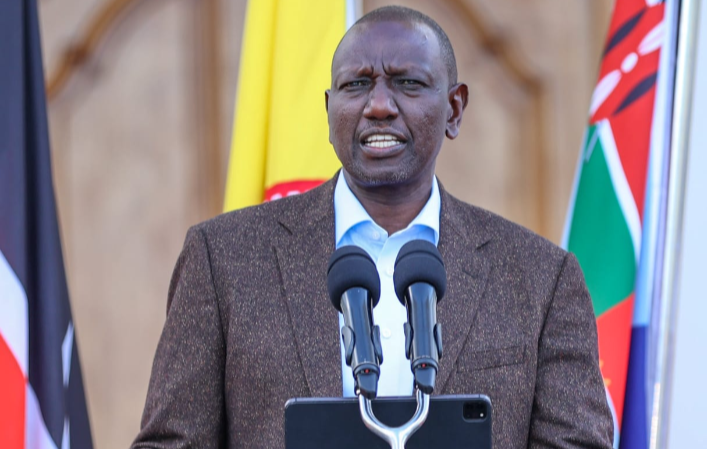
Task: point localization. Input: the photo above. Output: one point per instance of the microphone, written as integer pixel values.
(420, 281)
(354, 289)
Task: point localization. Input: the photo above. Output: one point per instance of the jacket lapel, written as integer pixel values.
(303, 257)
(467, 271)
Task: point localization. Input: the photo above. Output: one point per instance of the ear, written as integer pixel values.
(458, 98)
(326, 106)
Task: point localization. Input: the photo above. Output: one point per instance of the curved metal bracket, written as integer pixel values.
(395, 436)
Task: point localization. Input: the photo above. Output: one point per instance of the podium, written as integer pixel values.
(453, 422)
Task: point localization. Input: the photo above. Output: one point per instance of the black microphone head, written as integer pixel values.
(419, 261)
(349, 267)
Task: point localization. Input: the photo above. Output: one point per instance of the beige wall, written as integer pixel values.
(140, 136)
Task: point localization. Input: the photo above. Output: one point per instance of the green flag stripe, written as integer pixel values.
(599, 234)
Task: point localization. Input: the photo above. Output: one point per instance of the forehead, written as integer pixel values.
(391, 43)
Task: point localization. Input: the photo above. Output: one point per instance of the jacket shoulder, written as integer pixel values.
(510, 241)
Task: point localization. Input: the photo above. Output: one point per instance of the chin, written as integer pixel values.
(375, 178)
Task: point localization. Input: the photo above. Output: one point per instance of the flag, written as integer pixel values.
(604, 225)
(280, 141)
(42, 402)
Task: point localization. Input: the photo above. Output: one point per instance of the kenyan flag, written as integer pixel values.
(604, 220)
(42, 402)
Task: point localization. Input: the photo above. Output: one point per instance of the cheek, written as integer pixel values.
(343, 121)
(431, 124)
(342, 128)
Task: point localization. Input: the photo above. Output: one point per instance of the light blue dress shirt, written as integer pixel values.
(355, 227)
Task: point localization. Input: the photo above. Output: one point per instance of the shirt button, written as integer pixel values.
(389, 271)
(376, 235)
(386, 332)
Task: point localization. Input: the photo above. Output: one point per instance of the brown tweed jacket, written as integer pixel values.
(250, 325)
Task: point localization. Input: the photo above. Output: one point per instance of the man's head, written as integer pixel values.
(393, 98)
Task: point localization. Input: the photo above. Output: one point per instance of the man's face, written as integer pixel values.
(390, 104)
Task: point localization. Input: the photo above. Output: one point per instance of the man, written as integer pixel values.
(249, 323)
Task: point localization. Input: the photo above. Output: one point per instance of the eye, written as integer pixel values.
(409, 82)
(354, 84)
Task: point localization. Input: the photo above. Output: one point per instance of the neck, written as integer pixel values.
(392, 207)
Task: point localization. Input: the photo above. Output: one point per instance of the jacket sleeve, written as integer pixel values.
(185, 404)
(570, 408)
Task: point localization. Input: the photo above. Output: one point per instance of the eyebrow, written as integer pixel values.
(363, 70)
(358, 70)
(422, 72)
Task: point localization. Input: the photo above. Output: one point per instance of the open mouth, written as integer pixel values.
(382, 141)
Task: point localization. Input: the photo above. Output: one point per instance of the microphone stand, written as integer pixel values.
(395, 436)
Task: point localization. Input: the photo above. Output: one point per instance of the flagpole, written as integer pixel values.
(649, 281)
(679, 142)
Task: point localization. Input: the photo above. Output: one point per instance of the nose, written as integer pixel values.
(381, 105)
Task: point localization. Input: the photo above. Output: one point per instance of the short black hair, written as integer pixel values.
(402, 14)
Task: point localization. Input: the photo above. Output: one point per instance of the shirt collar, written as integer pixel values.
(348, 211)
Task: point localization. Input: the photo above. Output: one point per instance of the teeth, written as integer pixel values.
(386, 144)
(381, 141)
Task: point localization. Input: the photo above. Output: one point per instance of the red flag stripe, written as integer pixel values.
(12, 392)
(289, 188)
(614, 341)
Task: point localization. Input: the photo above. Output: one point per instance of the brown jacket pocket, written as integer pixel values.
(493, 358)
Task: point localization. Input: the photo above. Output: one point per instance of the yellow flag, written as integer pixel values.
(280, 143)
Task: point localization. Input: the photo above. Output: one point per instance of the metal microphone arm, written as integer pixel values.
(395, 436)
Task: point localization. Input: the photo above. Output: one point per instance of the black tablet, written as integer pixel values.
(453, 422)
